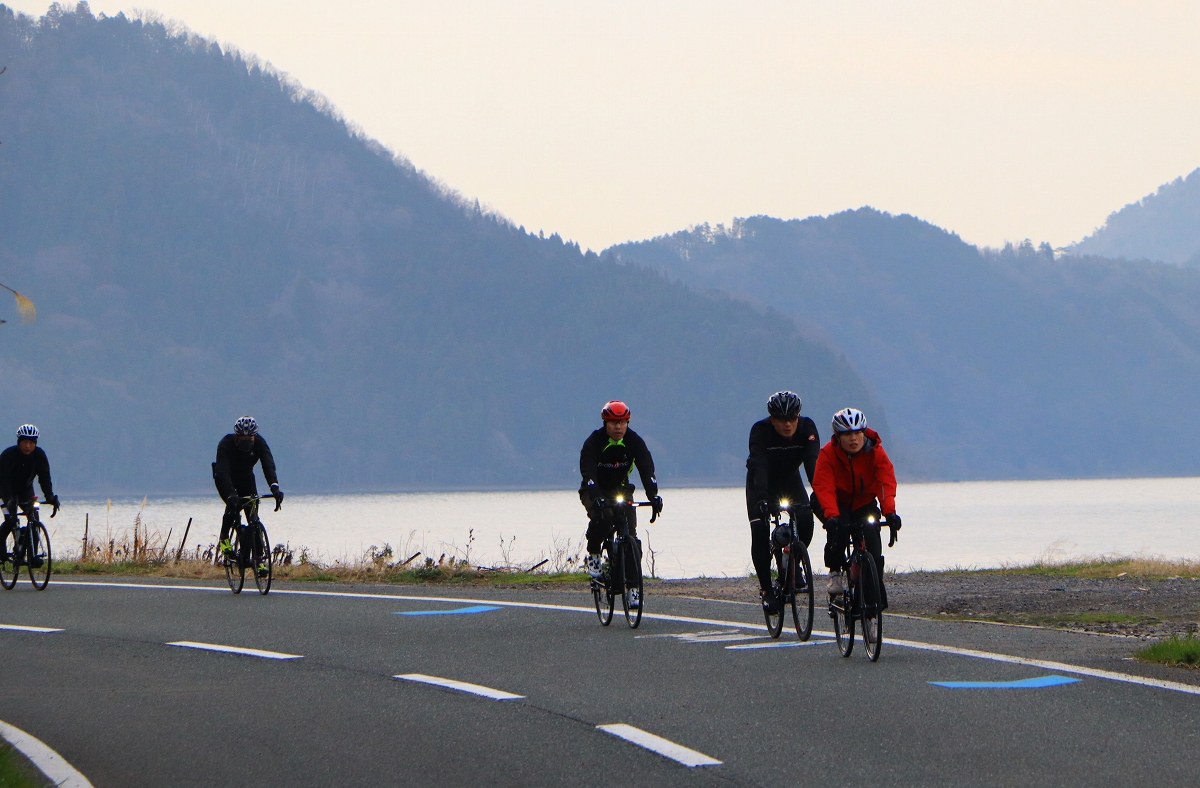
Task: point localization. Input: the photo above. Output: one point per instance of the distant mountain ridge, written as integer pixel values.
(204, 241)
(1162, 226)
(991, 364)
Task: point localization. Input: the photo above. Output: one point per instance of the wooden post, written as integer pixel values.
(183, 541)
(86, 516)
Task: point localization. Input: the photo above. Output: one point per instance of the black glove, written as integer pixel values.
(234, 501)
(53, 501)
(831, 523)
(764, 510)
(893, 524)
(278, 495)
(12, 509)
(656, 508)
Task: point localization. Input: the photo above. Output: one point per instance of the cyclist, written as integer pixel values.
(855, 480)
(779, 445)
(19, 465)
(605, 462)
(233, 473)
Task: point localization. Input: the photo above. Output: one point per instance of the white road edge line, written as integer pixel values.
(249, 652)
(461, 686)
(22, 628)
(664, 747)
(49, 762)
(1062, 667)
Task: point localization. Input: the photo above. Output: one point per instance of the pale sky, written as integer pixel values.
(615, 120)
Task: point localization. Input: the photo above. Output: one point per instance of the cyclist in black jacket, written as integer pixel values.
(233, 472)
(779, 445)
(19, 466)
(605, 462)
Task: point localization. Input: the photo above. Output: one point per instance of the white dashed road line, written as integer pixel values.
(664, 747)
(22, 628)
(49, 762)
(461, 686)
(1060, 667)
(248, 652)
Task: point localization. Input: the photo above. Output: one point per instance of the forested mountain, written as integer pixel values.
(990, 364)
(1161, 226)
(205, 239)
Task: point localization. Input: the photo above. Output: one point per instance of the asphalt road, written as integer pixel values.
(128, 710)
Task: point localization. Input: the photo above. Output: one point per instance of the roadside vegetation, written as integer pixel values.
(1177, 651)
(17, 772)
(1148, 567)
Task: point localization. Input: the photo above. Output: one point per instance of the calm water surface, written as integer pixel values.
(702, 531)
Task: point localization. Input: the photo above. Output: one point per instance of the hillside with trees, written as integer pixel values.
(991, 363)
(204, 239)
(1162, 226)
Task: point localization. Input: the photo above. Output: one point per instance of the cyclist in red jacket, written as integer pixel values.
(854, 480)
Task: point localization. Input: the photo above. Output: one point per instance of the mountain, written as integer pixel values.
(205, 239)
(991, 364)
(1161, 226)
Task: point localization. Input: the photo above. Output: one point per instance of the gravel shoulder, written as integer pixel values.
(1120, 606)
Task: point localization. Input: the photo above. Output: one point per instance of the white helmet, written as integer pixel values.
(246, 425)
(27, 431)
(849, 420)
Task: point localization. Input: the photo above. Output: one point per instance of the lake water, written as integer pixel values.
(702, 531)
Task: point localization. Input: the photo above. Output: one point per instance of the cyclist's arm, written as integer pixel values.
(589, 459)
(756, 463)
(222, 474)
(645, 466)
(812, 449)
(41, 466)
(885, 480)
(268, 461)
(824, 484)
(6, 471)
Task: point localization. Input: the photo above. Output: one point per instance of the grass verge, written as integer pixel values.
(16, 771)
(1176, 651)
(1106, 566)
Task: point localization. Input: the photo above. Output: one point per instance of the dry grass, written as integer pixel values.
(1149, 567)
(150, 552)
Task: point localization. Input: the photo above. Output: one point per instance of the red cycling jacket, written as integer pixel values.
(844, 483)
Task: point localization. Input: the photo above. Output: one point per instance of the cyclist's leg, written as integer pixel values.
(760, 543)
(31, 516)
(598, 530)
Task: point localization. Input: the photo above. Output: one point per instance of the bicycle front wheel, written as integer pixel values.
(773, 612)
(632, 598)
(800, 590)
(39, 557)
(869, 601)
(10, 566)
(843, 621)
(235, 569)
(262, 560)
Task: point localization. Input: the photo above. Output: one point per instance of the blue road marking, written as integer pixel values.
(454, 612)
(1040, 681)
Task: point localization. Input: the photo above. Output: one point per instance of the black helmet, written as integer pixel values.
(784, 405)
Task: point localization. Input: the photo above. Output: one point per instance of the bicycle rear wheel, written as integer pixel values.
(263, 562)
(631, 560)
(800, 590)
(773, 612)
(235, 569)
(39, 557)
(871, 614)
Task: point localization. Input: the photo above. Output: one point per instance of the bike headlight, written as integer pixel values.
(783, 503)
(620, 499)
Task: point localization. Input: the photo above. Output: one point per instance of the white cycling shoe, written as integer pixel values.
(835, 584)
(635, 598)
(593, 566)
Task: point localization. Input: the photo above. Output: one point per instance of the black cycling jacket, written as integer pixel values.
(17, 472)
(234, 469)
(608, 463)
(773, 466)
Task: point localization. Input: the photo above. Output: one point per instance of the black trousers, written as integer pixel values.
(11, 522)
(245, 486)
(836, 543)
(760, 531)
(601, 523)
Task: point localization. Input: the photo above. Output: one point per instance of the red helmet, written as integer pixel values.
(615, 410)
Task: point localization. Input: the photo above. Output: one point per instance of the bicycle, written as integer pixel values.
(17, 552)
(622, 575)
(250, 548)
(861, 601)
(793, 583)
